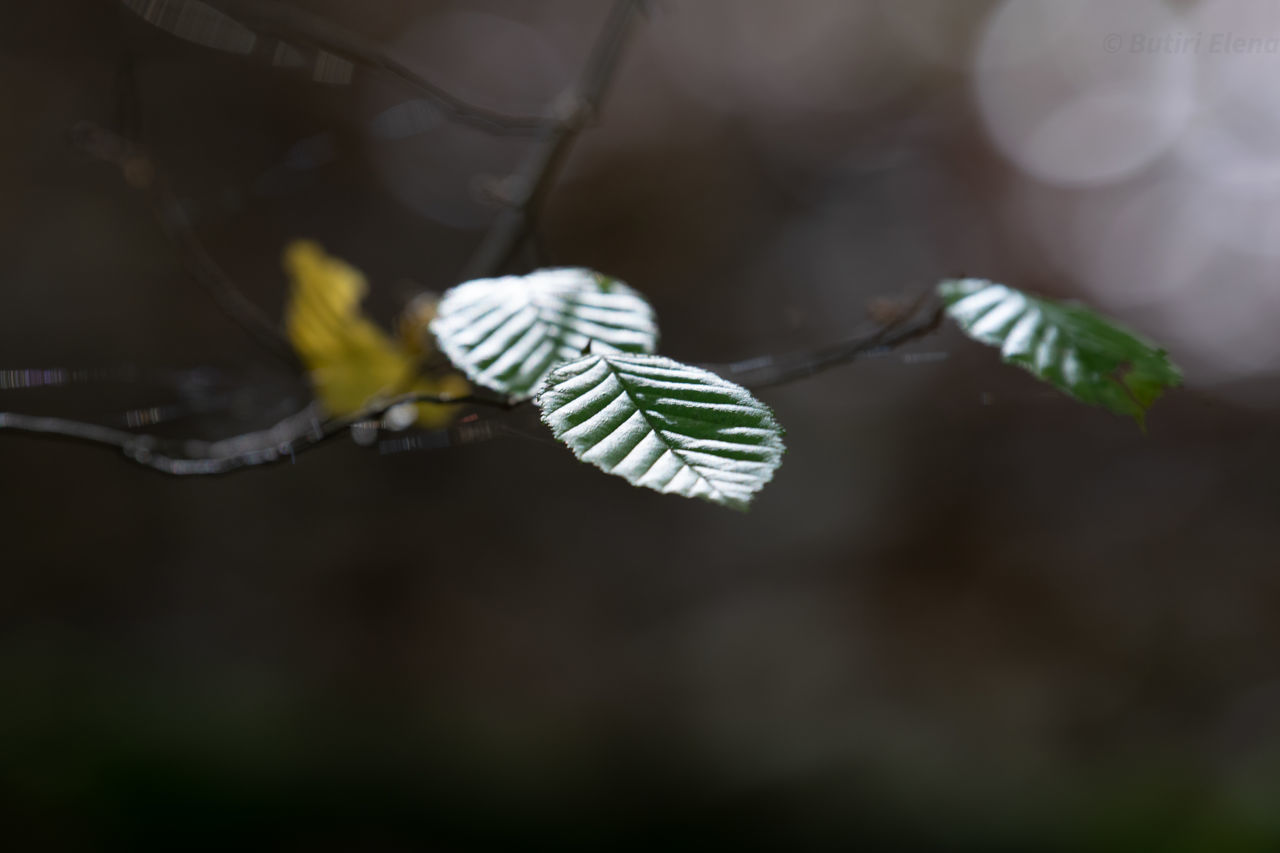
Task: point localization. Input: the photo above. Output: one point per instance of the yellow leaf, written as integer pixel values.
(412, 326)
(431, 414)
(351, 361)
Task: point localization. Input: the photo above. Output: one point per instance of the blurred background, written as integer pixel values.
(968, 613)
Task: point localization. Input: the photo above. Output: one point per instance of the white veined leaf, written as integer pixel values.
(664, 425)
(1078, 351)
(507, 333)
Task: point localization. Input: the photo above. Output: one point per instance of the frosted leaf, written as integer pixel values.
(1069, 346)
(507, 333)
(664, 425)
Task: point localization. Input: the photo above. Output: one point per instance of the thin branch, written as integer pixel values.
(305, 430)
(288, 23)
(505, 404)
(140, 172)
(528, 187)
(920, 319)
(280, 442)
(189, 457)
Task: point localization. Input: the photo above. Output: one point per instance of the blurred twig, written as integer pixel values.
(289, 26)
(288, 22)
(140, 172)
(524, 191)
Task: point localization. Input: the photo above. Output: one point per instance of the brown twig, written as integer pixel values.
(525, 191)
(920, 319)
(280, 442)
(308, 428)
(140, 172)
(289, 26)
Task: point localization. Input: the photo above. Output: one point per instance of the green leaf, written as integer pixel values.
(1069, 346)
(507, 333)
(664, 425)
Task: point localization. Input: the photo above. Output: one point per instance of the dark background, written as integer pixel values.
(968, 612)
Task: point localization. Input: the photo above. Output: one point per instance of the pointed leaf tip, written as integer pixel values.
(1073, 348)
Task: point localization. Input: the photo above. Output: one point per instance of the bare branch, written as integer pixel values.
(140, 172)
(308, 428)
(186, 457)
(280, 442)
(289, 26)
(555, 140)
(290, 22)
(920, 319)
(305, 430)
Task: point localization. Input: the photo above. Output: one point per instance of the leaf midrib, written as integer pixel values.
(626, 389)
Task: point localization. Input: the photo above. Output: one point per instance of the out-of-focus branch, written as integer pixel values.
(290, 22)
(523, 192)
(289, 26)
(140, 172)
